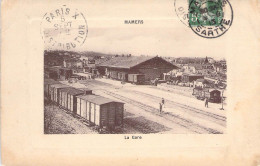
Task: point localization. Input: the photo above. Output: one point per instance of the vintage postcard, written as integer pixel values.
(169, 82)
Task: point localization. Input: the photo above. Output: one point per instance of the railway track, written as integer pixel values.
(221, 120)
(191, 109)
(171, 117)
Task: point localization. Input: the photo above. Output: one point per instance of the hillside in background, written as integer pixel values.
(57, 57)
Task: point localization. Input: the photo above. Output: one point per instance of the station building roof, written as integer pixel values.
(128, 62)
(125, 62)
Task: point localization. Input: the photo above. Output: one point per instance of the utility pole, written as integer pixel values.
(222, 99)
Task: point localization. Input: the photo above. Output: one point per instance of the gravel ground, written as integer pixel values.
(58, 121)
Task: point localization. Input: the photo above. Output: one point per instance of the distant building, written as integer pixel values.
(188, 60)
(223, 65)
(207, 64)
(87, 60)
(119, 67)
(57, 72)
(73, 63)
(190, 77)
(209, 60)
(193, 68)
(201, 83)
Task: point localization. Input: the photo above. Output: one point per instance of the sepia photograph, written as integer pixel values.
(90, 92)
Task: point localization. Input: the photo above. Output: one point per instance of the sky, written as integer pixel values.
(162, 33)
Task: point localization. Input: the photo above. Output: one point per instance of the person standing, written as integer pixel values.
(160, 107)
(207, 103)
(163, 102)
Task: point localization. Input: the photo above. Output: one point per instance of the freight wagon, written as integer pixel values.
(136, 78)
(54, 91)
(47, 83)
(67, 98)
(212, 95)
(100, 111)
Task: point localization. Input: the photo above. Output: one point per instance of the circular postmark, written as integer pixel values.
(64, 28)
(207, 18)
(182, 11)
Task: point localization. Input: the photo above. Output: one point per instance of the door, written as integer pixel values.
(111, 115)
(83, 109)
(97, 115)
(78, 106)
(71, 103)
(87, 109)
(119, 114)
(68, 101)
(92, 113)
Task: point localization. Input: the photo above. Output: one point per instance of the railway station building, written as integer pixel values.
(130, 68)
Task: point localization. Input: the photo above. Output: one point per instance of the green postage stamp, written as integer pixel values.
(206, 18)
(205, 13)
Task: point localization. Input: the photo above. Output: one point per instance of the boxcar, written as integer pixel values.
(213, 95)
(67, 98)
(100, 111)
(54, 91)
(47, 83)
(136, 78)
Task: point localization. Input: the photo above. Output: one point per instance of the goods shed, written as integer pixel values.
(100, 111)
(119, 68)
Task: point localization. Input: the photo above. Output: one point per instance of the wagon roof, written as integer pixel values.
(51, 81)
(59, 85)
(72, 91)
(99, 100)
(85, 89)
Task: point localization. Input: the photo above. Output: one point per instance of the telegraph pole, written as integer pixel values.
(222, 99)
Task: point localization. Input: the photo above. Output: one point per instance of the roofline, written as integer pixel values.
(151, 59)
(82, 97)
(122, 67)
(71, 89)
